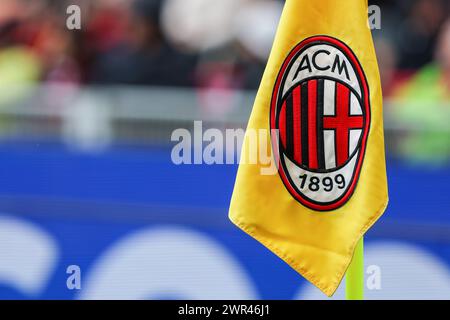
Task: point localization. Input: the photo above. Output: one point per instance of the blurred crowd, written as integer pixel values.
(220, 44)
(197, 42)
(137, 42)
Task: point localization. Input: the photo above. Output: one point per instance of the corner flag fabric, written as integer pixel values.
(320, 106)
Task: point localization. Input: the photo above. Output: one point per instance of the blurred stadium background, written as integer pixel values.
(86, 175)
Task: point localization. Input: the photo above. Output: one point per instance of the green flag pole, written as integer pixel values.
(354, 279)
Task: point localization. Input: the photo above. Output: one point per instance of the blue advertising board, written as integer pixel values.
(133, 225)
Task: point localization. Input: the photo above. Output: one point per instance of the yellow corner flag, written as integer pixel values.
(319, 107)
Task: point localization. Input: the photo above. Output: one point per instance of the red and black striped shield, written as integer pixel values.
(321, 109)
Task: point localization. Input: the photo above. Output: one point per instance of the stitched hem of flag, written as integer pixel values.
(328, 290)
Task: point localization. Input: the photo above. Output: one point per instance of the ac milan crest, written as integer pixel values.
(321, 107)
